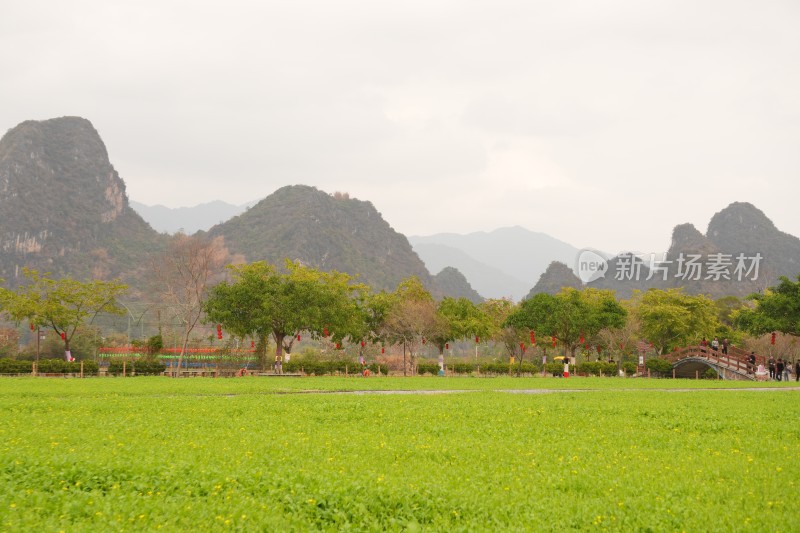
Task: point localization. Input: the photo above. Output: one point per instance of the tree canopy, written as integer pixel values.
(777, 309)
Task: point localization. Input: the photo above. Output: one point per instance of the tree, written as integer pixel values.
(672, 318)
(260, 301)
(777, 309)
(64, 304)
(570, 315)
(411, 318)
(184, 273)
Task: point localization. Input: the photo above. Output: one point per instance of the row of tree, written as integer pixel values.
(259, 300)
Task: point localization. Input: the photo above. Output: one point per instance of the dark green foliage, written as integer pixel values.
(629, 367)
(13, 366)
(60, 366)
(659, 366)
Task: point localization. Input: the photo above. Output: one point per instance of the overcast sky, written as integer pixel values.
(601, 123)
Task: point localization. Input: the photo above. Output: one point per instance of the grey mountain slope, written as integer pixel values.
(450, 282)
(488, 281)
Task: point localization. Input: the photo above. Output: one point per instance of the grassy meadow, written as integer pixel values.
(271, 454)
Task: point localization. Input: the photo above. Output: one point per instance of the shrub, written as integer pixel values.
(629, 367)
(149, 367)
(659, 366)
(14, 366)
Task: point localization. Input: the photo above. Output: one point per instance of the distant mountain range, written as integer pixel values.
(188, 220)
(64, 210)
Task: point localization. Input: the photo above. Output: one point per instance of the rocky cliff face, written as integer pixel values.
(63, 207)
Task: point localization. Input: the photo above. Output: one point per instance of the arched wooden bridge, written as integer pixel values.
(693, 361)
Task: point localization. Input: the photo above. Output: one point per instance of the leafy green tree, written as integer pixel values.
(569, 315)
(459, 319)
(64, 305)
(777, 309)
(672, 318)
(261, 301)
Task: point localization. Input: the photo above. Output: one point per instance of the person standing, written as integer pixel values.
(797, 370)
(779, 369)
(771, 367)
(725, 346)
(715, 344)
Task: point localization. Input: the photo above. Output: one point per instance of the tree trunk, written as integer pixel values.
(187, 331)
(404, 359)
(278, 351)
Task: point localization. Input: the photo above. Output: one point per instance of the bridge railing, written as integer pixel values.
(736, 359)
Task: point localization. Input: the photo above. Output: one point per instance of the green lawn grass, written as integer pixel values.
(247, 454)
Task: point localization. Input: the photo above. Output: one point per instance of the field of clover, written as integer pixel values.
(266, 454)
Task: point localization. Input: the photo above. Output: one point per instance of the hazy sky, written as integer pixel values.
(601, 123)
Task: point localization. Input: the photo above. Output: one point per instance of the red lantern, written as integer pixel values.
(423, 340)
(63, 336)
(363, 344)
(581, 341)
(383, 350)
(554, 341)
(338, 345)
(772, 341)
(522, 347)
(533, 337)
(447, 346)
(298, 336)
(477, 339)
(252, 344)
(32, 326)
(325, 331)
(598, 349)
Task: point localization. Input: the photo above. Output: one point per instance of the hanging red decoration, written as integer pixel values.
(63, 336)
(772, 341)
(363, 344)
(298, 336)
(477, 339)
(581, 341)
(598, 349)
(423, 340)
(383, 350)
(325, 331)
(554, 341)
(252, 344)
(522, 347)
(586, 346)
(447, 346)
(533, 337)
(32, 326)
(338, 345)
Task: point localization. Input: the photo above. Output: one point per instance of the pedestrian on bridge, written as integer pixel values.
(725, 346)
(715, 344)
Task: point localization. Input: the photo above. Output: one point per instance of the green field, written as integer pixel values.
(269, 454)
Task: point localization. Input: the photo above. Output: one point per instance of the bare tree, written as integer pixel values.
(184, 273)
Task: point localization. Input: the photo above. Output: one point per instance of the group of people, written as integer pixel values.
(779, 369)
